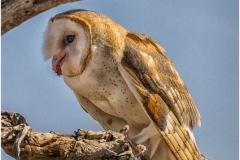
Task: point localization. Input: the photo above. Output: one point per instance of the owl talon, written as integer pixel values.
(138, 149)
(124, 131)
(141, 150)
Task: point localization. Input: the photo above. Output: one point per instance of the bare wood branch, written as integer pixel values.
(14, 12)
(20, 142)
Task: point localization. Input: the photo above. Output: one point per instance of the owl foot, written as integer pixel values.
(138, 149)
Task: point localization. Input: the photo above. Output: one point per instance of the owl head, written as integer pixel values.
(70, 36)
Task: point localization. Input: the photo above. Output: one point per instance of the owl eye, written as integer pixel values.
(70, 38)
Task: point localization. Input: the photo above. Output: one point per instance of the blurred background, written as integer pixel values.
(200, 37)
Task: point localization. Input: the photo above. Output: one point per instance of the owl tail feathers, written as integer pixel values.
(203, 157)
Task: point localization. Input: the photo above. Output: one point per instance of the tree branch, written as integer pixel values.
(20, 142)
(14, 12)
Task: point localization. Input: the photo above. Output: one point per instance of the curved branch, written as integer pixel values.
(20, 142)
(14, 12)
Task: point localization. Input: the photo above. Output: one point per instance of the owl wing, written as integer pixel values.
(152, 78)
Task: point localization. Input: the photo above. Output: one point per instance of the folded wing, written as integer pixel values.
(152, 78)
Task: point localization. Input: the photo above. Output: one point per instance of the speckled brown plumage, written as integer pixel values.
(159, 76)
(121, 77)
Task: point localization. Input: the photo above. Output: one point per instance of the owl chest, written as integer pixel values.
(105, 87)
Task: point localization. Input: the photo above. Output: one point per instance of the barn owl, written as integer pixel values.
(122, 78)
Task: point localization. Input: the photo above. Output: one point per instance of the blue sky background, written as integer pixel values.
(201, 37)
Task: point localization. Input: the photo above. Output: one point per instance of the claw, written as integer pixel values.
(138, 149)
(125, 130)
(141, 150)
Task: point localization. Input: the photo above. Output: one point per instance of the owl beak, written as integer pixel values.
(57, 62)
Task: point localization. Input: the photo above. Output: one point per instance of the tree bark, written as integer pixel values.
(20, 142)
(14, 12)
